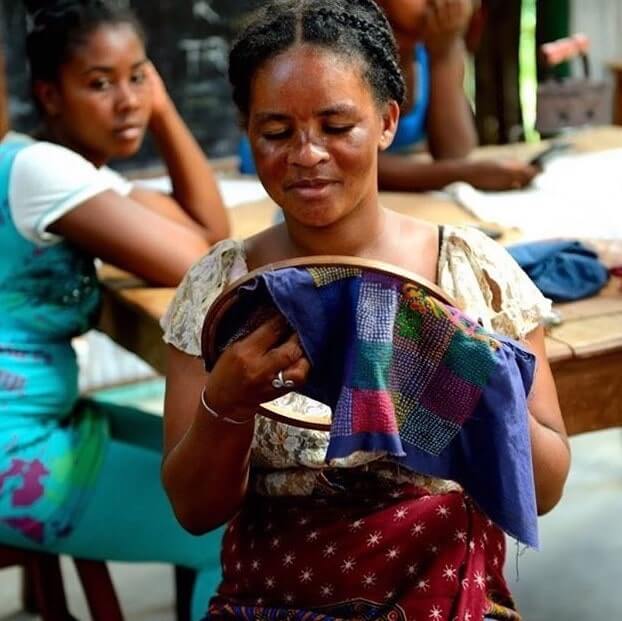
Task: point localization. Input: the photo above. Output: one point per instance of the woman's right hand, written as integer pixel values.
(161, 102)
(446, 22)
(242, 377)
(497, 176)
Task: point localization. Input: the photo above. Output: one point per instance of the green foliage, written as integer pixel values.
(528, 77)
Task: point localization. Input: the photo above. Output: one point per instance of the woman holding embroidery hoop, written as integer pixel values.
(316, 142)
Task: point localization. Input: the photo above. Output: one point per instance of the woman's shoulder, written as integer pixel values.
(224, 258)
(38, 150)
(488, 284)
(42, 166)
(472, 242)
(204, 281)
(48, 180)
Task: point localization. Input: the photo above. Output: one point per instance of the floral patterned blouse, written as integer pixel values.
(474, 270)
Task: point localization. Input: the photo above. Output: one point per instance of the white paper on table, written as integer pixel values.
(234, 191)
(577, 196)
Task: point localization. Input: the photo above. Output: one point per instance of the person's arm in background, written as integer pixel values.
(406, 173)
(138, 239)
(195, 200)
(450, 127)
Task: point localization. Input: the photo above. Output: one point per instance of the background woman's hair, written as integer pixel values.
(58, 27)
(354, 28)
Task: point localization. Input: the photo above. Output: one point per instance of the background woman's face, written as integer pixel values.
(101, 103)
(407, 17)
(315, 130)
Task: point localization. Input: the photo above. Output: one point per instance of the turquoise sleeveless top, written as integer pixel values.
(52, 443)
(411, 128)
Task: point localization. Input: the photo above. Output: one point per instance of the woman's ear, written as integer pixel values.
(390, 119)
(46, 93)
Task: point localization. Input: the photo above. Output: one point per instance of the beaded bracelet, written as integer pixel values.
(224, 419)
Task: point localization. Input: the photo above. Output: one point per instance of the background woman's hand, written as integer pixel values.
(499, 175)
(161, 101)
(446, 22)
(242, 377)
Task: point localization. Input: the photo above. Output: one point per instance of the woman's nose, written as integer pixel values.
(307, 152)
(127, 97)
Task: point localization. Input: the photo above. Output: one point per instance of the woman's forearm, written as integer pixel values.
(206, 474)
(403, 173)
(194, 183)
(450, 126)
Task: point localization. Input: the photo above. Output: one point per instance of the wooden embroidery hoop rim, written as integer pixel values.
(228, 297)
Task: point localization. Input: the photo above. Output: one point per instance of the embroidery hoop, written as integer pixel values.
(229, 296)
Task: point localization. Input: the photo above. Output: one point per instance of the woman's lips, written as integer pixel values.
(311, 188)
(130, 132)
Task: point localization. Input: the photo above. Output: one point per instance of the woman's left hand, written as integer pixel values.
(161, 101)
(446, 22)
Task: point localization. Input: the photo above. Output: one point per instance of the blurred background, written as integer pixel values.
(189, 42)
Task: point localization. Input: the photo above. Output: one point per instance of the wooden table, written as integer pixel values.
(585, 351)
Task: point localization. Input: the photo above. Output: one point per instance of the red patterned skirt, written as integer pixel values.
(381, 552)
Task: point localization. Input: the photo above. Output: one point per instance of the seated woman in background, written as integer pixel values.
(353, 538)
(79, 477)
(429, 35)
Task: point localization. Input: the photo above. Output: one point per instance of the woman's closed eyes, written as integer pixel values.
(285, 133)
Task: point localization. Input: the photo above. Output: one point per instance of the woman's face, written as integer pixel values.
(315, 130)
(101, 103)
(407, 17)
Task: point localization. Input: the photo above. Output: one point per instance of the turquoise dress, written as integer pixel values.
(77, 477)
(52, 444)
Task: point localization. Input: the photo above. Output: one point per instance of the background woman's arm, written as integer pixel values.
(130, 236)
(450, 125)
(195, 197)
(407, 173)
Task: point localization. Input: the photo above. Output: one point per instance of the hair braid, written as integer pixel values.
(379, 44)
(354, 28)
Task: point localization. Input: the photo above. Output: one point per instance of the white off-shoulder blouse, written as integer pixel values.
(474, 270)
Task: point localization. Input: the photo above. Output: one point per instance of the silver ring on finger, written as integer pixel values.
(280, 382)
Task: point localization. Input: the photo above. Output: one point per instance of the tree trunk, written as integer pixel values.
(499, 116)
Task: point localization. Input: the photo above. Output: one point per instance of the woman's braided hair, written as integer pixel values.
(354, 28)
(58, 27)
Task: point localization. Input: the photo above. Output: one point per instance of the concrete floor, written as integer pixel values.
(577, 574)
(575, 577)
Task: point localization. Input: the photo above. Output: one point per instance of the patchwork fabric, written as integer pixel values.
(411, 376)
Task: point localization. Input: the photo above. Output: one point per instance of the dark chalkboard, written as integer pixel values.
(188, 42)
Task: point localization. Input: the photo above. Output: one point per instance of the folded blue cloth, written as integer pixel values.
(563, 270)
